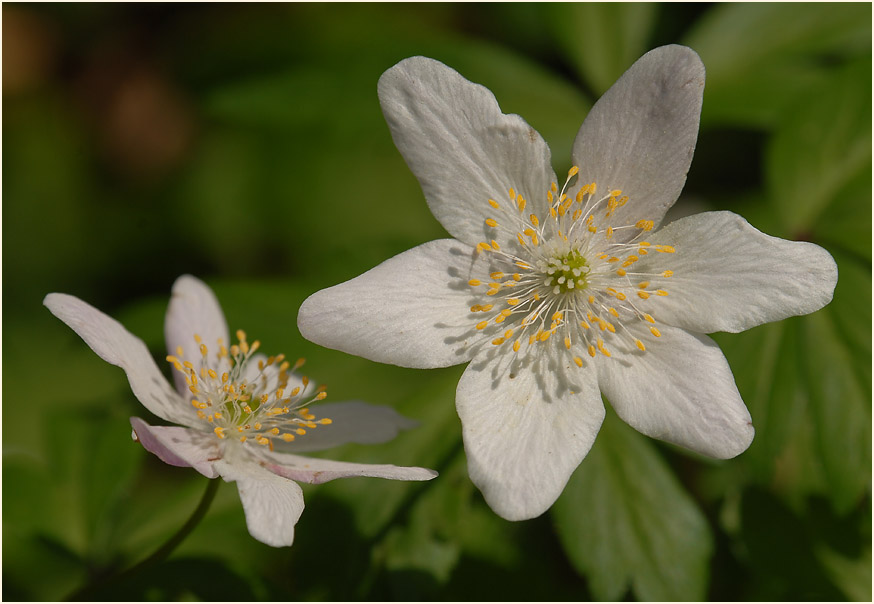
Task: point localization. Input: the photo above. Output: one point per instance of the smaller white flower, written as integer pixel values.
(239, 408)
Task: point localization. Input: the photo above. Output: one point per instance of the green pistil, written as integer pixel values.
(567, 273)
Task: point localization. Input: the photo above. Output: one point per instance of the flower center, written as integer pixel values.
(246, 396)
(567, 273)
(573, 272)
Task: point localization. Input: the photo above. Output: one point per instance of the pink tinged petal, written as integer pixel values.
(680, 390)
(640, 136)
(728, 276)
(351, 422)
(411, 310)
(116, 345)
(193, 309)
(316, 471)
(272, 504)
(461, 147)
(525, 435)
(179, 446)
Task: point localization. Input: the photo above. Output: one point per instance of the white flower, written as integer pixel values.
(556, 292)
(235, 406)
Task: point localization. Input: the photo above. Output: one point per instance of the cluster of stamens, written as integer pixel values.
(570, 274)
(241, 403)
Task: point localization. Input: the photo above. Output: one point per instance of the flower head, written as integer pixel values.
(245, 415)
(558, 292)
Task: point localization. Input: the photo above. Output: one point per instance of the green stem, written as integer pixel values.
(162, 552)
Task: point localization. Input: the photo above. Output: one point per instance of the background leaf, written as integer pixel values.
(627, 523)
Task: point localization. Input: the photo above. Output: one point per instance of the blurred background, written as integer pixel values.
(244, 144)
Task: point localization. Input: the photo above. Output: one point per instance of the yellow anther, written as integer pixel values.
(602, 348)
(513, 301)
(508, 334)
(516, 346)
(476, 308)
(517, 277)
(665, 249)
(495, 245)
(512, 193)
(288, 437)
(614, 312)
(640, 345)
(534, 220)
(616, 193)
(482, 324)
(648, 319)
(610, 328)
(203, 350)
(609, 232)
(630, 260)
(655, 332)
(491, 222)
(325, 421)
(305, 380)
(532, 339)
(591, 301)
(218, 415)
(265, 398)
(197, 338)
(623, 200)
(591, 350)
(646, 225)
(498, 341)
(500, 319)
(494, 204)
(592, 229)
(549, 196)
(235, 350)
(262, 440)
(643, 295)
(643, 285)
(487, 307)
(243, 439)
(296, 391)
(521, 203)
(274, 431)
(577, 215)
(535, 240)
(578, 361)
(668, 274)
(482, 247)
(567, 342)
(553, 187)
(521, 240)
(474, 282)
(558, 315)
(584, 325)
(497, 275)
(491, 292)
(241, 335)
(301, 431)
(321, 396)
(552, 212)
(255, 345)
(661, 292)
(613, 259)
(573, 171)
(620, 296)
(284, 366)
(219, 431)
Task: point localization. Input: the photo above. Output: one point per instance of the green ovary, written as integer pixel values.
(567, 273)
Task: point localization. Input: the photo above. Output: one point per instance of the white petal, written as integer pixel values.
(640, 136)
(352, 422)
(116, 345)
(316, 471)
(411, 310)
(525, 435)
(461, 147)
(680, 390)
(272, 504)
(193, 309)
(728, 276)
(179, 446)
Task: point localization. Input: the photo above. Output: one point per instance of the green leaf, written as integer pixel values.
(852, 576)
(840, 410)
(822, 144)
(625, 521)
(766, 370)
(602, 40)
(762, 57)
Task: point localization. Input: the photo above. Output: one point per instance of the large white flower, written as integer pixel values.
(238, 407)
(556, 292)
